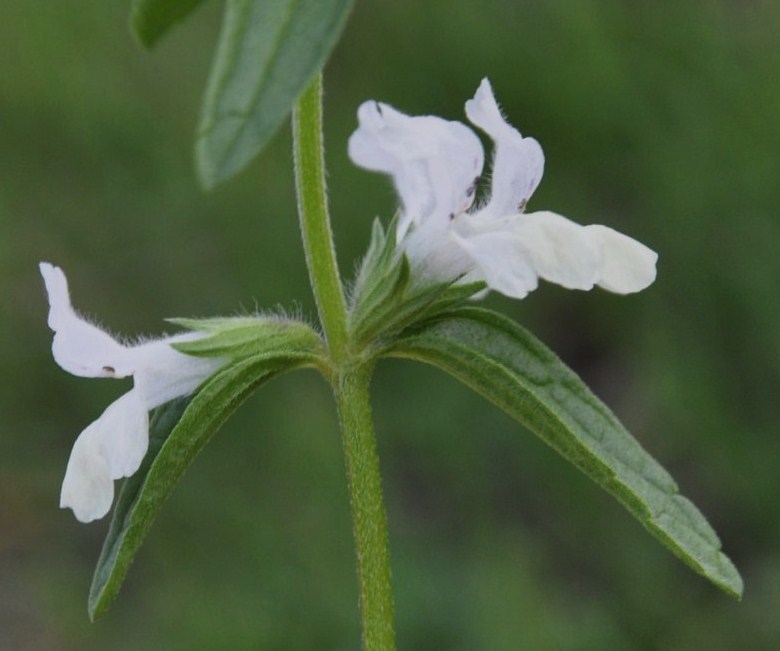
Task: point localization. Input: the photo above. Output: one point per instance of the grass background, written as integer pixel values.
(659, 119)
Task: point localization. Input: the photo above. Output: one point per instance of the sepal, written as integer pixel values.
(244, 336)
(385, 298)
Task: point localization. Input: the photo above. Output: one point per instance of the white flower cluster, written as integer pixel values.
(436, 166)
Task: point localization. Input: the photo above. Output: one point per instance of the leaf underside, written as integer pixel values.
(511, 368)
(178, 431)
(268, 51)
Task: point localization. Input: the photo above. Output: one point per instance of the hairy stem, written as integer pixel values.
(369, 519)
(350, 380)
(308, 151)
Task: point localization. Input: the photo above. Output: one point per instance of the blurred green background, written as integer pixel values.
(660, 119)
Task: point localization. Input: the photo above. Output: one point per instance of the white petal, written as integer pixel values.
(80, 347)
(434, 163)
(511, 253)
(518, 163)
(164, 373)
(111, 447)
(124, 434)
(560, 250)
(628, 266)
(435, 255)
(87, 488)
(500, 260)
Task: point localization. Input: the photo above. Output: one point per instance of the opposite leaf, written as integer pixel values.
(267, 53)
(151, 19)
(506, 364)
(179, 430)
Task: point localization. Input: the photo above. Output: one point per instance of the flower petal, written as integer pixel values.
(80, 347)
(87, 488)
(501, 261)
(513, 252)
(124, 433)
(628, 266)
(434, 163)
(518, 163)
(164, 373)
(112, 447)
(435, 255)
(560, 250)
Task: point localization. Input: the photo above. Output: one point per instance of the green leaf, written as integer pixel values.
(151, 19)
(511, 368)
(267, 53)
(178, 432)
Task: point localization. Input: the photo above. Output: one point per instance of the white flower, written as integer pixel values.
(114, 445)
(436, 165)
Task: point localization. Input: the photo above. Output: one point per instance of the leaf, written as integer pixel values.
(178, 432)
(151, 19)
(511, 368)
(268, 51)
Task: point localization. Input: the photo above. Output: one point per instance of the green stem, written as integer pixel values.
(350, 382)
(308, 150)
(369, 519)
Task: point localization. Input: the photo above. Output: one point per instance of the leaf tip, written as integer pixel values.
(97, 605)
(732, 583)
(208, 176)
(139, 27)
(150, 20)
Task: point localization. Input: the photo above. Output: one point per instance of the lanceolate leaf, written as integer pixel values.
(108, 571)
(178, 431)
(151, 19)
(267, 53)
(507, 365)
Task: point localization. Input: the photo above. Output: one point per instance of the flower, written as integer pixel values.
(436, 166)
(114, 445)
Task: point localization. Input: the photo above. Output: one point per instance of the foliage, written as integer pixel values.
(268, 52)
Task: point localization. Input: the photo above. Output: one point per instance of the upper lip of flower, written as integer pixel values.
(114, 444)
(436, 164)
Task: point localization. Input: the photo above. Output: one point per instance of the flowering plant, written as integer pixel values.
(413, 296)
